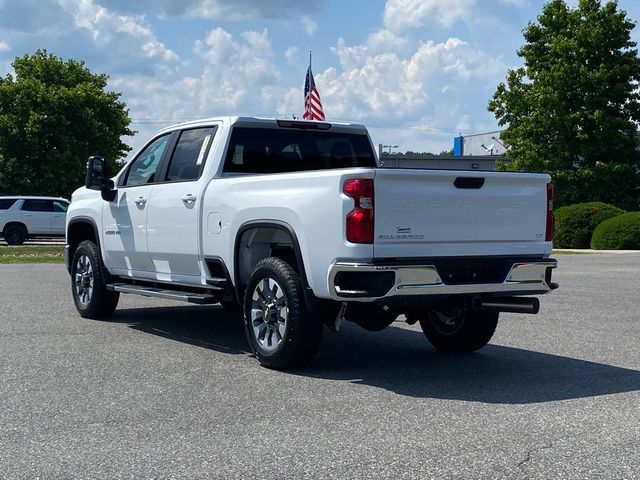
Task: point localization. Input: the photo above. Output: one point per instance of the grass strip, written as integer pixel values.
(32, 254)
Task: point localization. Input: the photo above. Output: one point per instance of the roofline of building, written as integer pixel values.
(481, 134)
(412, 156)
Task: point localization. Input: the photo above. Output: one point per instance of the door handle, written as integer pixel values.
(141, 201)
(189, 199)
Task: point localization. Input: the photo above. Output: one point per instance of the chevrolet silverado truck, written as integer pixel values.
(296, 225)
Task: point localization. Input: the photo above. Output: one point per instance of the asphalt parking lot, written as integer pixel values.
(169, 391)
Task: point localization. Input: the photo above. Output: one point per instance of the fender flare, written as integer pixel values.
(74, 221)
(274, 224)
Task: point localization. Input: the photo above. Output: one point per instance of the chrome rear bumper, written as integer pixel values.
(523, 278)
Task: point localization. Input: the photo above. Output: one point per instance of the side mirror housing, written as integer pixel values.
(96, 173)
(98, 179)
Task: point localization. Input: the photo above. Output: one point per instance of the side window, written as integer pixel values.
(5, 204)
(37, 206)
(143, 169)
(60, 207)
(190, 154)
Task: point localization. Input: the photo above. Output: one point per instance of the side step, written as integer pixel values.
(199, 298)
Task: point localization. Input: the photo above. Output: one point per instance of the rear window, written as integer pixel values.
(6, 203)
(270, 150)
(60, 207)
(190, 154)
(37, 206)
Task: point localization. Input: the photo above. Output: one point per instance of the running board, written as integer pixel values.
(199, 298)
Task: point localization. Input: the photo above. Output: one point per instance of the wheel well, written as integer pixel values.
(10, 224)
(78, 232)
(257, 243)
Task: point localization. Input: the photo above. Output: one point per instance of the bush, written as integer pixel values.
(618, 233)
(575, 223)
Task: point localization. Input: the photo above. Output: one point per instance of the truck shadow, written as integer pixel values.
(401, 361)
(207, 327)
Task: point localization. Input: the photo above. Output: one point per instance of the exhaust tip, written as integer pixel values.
(512, 305)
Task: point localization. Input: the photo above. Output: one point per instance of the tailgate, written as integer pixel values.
(434, 213)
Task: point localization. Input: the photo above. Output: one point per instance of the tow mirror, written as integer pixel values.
(98, 179)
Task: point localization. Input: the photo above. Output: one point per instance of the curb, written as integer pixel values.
(596, 252)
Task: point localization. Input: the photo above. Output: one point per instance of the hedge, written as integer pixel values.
(618, 233)
(575, 223)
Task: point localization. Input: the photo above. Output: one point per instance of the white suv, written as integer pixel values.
(25, 217)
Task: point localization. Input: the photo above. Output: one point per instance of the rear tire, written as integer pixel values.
(15, 234)
(90, 295)
(459, 330)
(281, 331)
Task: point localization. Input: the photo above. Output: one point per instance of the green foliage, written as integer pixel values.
(446, 153)
(32, 254)
(575, 223)
(54, 114)
(618, 233)
(571, 110)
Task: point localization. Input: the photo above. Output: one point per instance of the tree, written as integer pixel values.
(54, 114)
(572, 109)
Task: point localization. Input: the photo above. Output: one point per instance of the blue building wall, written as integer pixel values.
(457, 147)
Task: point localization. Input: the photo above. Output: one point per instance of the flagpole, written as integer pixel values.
(309, 58)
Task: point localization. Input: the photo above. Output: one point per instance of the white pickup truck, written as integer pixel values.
(294, 223)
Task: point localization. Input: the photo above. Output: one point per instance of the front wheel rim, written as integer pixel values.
(83, 280)
(269, 314)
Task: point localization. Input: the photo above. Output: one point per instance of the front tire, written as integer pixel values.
(281, 331)
(90, 295)
(458, 330)
(15, 234)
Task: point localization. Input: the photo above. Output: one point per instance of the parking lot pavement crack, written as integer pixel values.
(529, 454)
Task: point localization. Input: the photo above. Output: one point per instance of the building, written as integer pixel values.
(482, 163)
(481, 144)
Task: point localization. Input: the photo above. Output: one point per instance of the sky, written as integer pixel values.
(416, 72)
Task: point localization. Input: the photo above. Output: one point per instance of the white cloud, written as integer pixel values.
(428, 94)
(291, 54)
(415, 94)
(400, 15)
(4, 47)
(238, 76)
(234, 60)
(428, 91)
(309, 25)
(385, 40)
(232, 10)
(108, 29)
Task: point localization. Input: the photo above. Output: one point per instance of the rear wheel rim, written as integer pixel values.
(446, 323)
(269, 314)
(83, 280)
(15, 235)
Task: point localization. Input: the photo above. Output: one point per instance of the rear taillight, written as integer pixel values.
(550, 218)
(360, 219)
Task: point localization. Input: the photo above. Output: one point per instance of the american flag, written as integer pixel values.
(312, 103)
